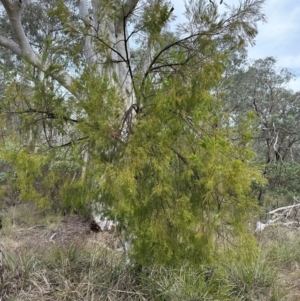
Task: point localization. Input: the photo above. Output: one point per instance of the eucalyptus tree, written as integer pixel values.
(261, 87)
(118, 107)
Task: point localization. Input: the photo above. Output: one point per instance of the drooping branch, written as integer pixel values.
(220, 28)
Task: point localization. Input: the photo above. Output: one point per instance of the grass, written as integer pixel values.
(76, 266)
(281, 245)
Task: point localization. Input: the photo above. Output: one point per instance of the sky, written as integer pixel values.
(279, 37)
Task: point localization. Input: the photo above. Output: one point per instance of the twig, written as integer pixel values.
(52, 237)
(27, 229)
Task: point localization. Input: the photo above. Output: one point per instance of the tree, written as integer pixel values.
(135, 128)
(261, 87)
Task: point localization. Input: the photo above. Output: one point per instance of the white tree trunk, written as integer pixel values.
(89, 49)
(118, 50)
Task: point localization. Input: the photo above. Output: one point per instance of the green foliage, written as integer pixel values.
(168, 162)
(283, 183)
(156, 16)
(181, 180)
(260, 86)
(178, 180)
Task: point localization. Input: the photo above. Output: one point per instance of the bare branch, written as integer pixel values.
(286, 216)
(11, 45)
(284, 209)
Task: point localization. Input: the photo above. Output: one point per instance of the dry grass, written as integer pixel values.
(37, 267)
(76, 265)
(281, 244)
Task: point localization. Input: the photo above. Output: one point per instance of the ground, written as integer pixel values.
(52, 256)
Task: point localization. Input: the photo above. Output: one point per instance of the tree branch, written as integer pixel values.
(167, 47)
(72, 142)
(11, 45)
(185, 161)
(128, 7)
(48, 115)
(23, 49)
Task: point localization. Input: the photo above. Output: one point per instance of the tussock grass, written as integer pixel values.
(253, 280)
(78, 266)
(72, 272)
(281, 245)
